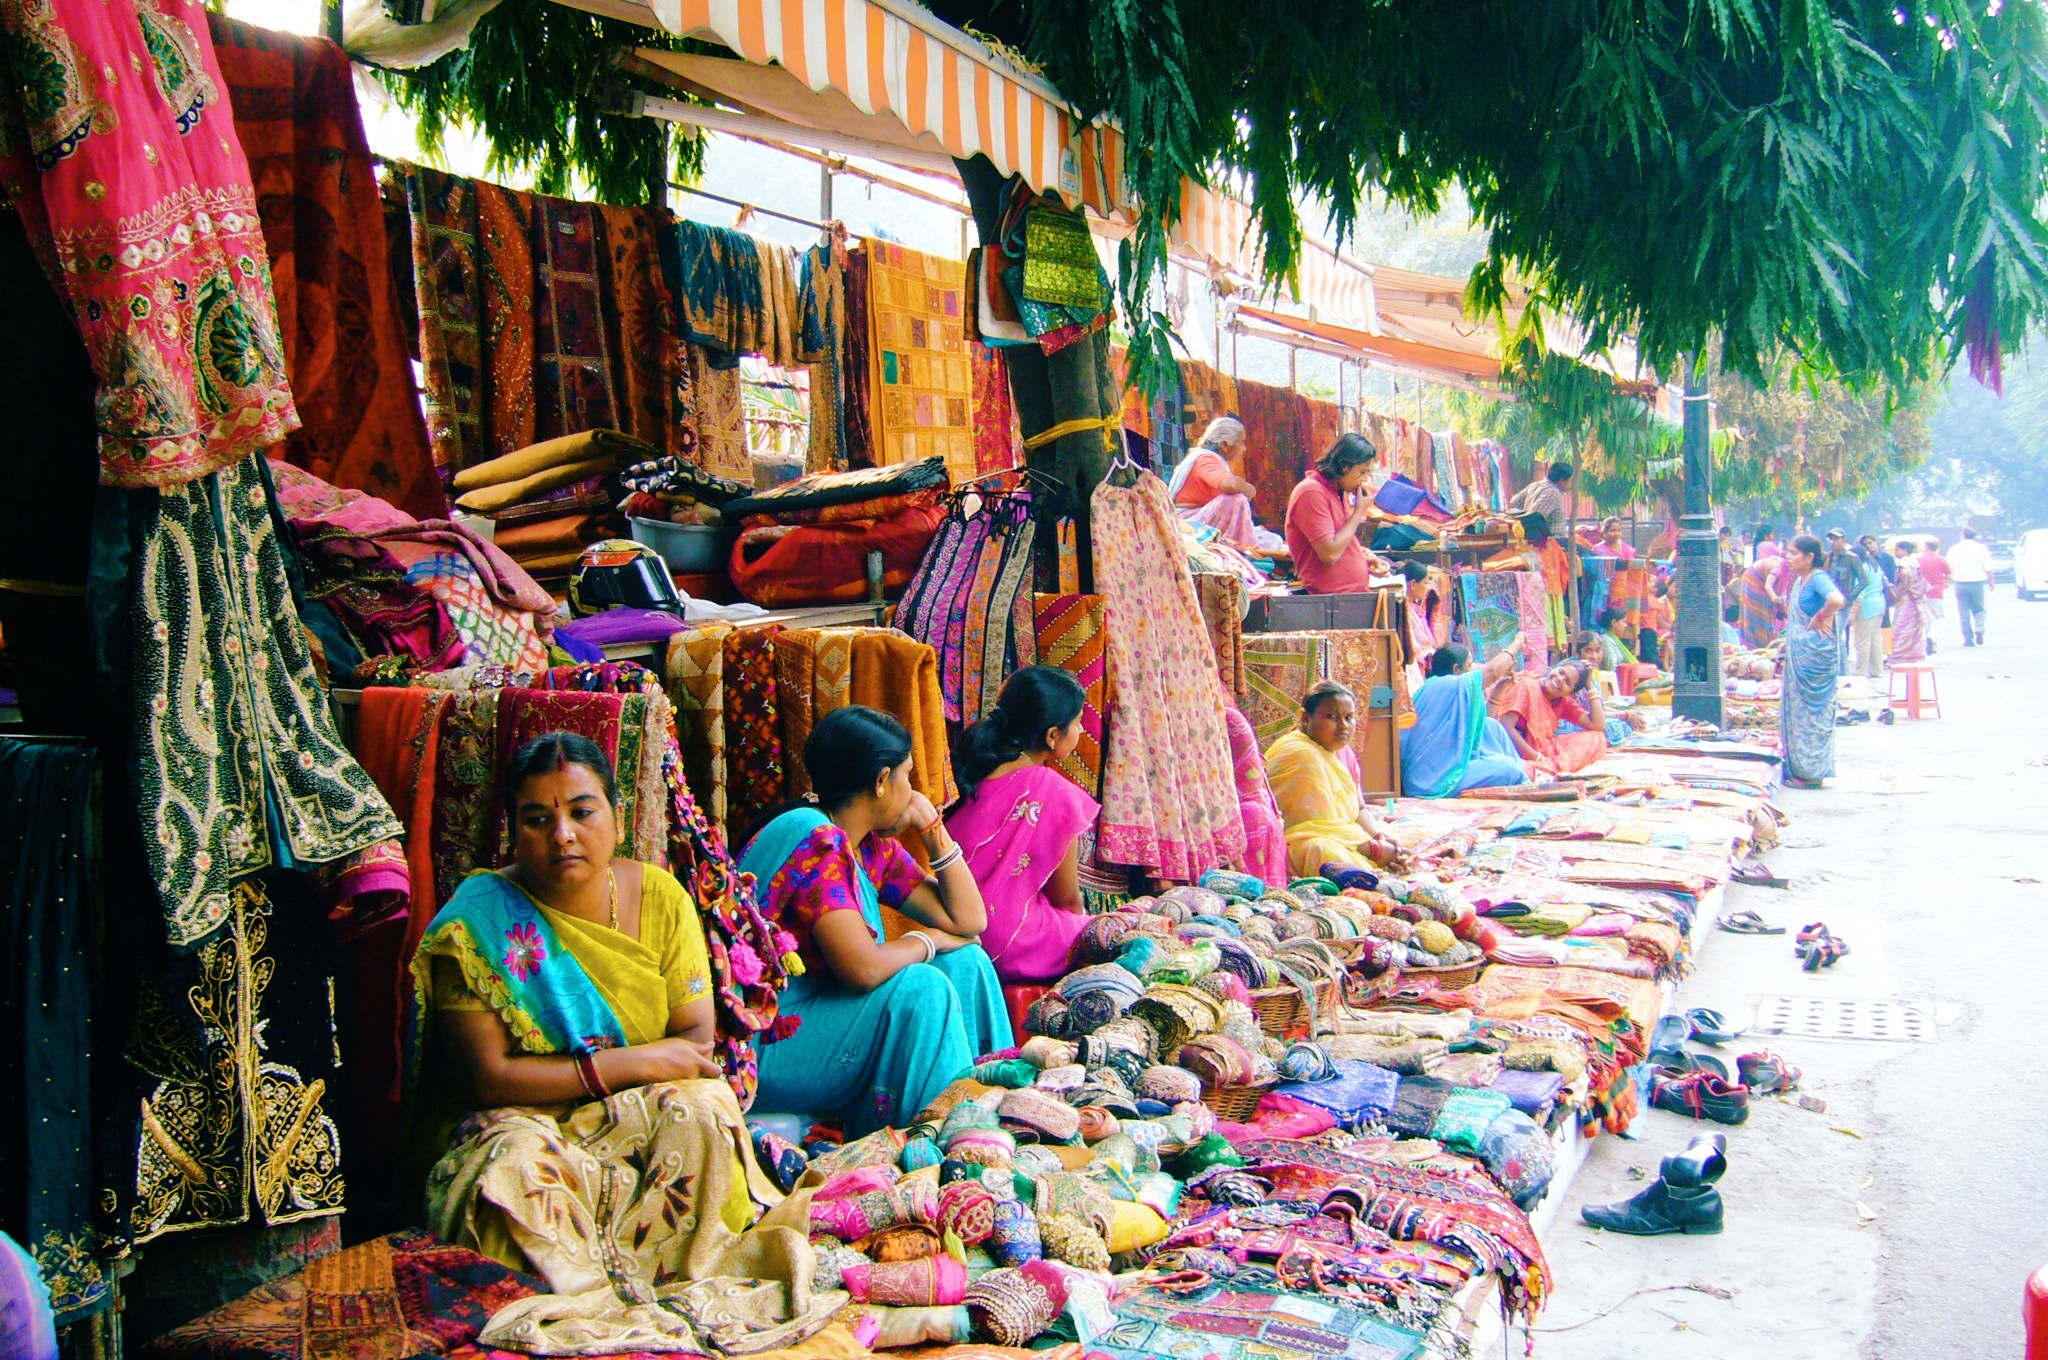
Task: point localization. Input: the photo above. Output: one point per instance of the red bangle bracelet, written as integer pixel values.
(593, 1084)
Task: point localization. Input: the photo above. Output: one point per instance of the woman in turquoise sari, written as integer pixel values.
(1806, 705)
(882, 1026)
(1454, 744)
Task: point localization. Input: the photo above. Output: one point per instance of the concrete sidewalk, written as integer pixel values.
(1901, 1223)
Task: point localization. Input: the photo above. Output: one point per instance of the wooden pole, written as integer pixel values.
(1572, 537)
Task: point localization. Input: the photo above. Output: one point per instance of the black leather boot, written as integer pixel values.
(1700, 1164)
(1660, 1209)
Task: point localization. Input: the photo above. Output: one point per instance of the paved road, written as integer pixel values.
(1901, 1223)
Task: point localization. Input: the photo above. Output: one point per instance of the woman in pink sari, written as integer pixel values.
(1265, 834)
(1019, 821)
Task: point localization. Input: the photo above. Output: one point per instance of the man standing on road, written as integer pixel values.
(1969, 565)
(1934, 568)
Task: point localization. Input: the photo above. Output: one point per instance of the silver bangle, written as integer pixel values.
(931, 950)
(953, 856)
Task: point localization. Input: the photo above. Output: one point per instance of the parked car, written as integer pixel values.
(2030, 564)
(2003, 551)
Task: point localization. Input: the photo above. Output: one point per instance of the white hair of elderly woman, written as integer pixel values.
(1222, 433)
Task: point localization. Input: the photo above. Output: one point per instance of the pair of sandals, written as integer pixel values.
(1668, 1040)
(1817, 948)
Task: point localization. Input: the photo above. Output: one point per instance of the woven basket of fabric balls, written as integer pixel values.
(1235, 1103)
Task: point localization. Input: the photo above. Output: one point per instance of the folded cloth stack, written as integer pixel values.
(551, 499)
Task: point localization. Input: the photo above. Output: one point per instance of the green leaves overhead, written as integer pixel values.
(534, 79)
(1849, 182)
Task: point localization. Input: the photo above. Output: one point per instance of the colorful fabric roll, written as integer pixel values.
(1043, 1116)
(968, 1211)
(983, 1147)
(935, 1282)
(1463, 1119)
(1096, 1123)
(858, 1216)
(1230, 883)
(1006, 1072)
(1047, 1053)
(1133, 1227)
(1010, 1307)
(1015, 1237)
(1168, 1085)
(1048, 1016)
(1055, 1080)
(904, 1242)
(1218, 1060)
(1066, 1238)
(918, 1154)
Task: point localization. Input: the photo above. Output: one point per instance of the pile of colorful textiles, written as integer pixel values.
(427, 596)
(550, 500)
(807, 542)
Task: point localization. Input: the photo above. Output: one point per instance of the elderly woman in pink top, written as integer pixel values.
(1019, 820)
(1324, 514)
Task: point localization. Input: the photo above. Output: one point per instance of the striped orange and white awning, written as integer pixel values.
(891, 57)
(1219, 228)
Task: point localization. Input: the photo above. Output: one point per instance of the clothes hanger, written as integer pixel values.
(1124, 470)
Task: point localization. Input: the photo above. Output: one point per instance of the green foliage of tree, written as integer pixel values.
(536, 79)
(1852, 183)
(1800, 443)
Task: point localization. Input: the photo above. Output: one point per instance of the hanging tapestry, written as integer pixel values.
(1276, 446)
(1206, 394)
(137, 198)
(49, 834)
(796, 677)
(998, 445)
(1279, 668)
(1070, 635)
(900, 676)
(753, 750)
(236, 753)
(858, 398)
(539, 317)
(1169, 796)
(717, 276)
(718, 414)
(1535, 617)
(821, 288)
(934, 605)
(1222, 600)
(921, 377)
(696, 686)
(338, 317)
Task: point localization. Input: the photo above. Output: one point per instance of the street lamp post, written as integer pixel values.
(1696, 690)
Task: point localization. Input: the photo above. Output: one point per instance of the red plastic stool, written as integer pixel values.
(2035, 1310)
(1914, 701)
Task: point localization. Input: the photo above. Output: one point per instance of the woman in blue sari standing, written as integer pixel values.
(1806, 710)
(1455, 745)
(882, 1026)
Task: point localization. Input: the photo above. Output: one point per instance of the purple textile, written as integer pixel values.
(621, 624)
(1360, 1092)
(1527, 1091)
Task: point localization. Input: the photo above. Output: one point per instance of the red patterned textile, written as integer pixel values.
(753, 731)
(338, 315)
(1277, 452)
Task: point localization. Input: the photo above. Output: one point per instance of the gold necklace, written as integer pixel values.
(613, 875)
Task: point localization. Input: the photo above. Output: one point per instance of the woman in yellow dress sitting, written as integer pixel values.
(563, 1064)
(1314, 774)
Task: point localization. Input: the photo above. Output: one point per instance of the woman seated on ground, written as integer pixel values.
(882, 1025)
(1455, 745)
(1265, 833)
(1535, 712)
(1314, 775)
(1208, 487)
(1019, 821)
(567, 1011)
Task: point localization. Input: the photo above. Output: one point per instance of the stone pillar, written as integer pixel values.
(1696, 664)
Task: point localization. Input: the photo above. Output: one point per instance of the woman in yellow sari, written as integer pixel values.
(1314, 775)
(566, 1011)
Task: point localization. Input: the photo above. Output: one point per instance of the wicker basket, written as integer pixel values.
(1235, 1103)
(1456, 976)
(1283, 1012)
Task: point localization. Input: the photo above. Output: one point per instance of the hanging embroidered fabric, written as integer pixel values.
(1169, 792)
(971, 601)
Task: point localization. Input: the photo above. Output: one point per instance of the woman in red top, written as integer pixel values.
(1324, 514)
(1532, 709)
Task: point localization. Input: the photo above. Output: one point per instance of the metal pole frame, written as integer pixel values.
(1696, 668)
